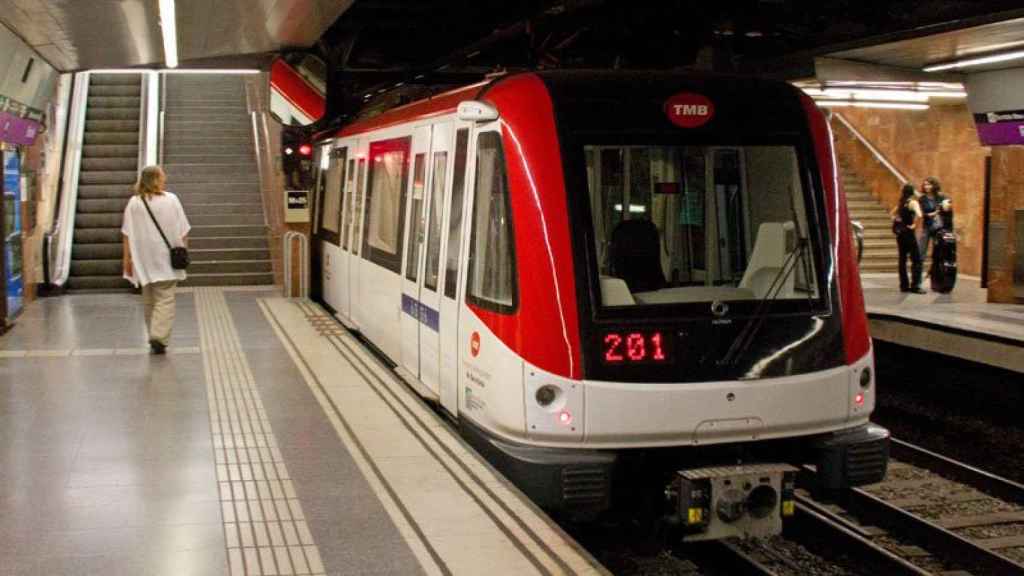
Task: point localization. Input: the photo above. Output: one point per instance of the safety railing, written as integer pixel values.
(288, 262)
(58, 241)
(874, 151)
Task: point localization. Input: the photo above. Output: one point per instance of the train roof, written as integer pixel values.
(573, 85)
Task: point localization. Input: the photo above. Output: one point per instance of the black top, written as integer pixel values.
(906, 216)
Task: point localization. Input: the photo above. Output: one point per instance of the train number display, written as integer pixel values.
(635, 347)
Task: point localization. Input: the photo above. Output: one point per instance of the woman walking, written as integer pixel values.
(154, 221)
(906, 221)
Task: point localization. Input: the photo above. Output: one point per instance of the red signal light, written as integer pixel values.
(305, 149)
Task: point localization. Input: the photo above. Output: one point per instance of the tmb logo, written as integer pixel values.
(689, 110)
(474, 344)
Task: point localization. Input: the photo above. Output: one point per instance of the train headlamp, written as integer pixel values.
(865, 377)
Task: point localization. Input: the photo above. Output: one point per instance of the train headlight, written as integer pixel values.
(546, 395)
(865, 377)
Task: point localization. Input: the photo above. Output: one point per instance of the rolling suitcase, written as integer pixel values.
(943, 273)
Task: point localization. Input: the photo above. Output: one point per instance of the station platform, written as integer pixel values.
(267, 441)
(960, 324)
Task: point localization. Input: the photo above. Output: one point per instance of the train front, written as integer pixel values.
(690, 317)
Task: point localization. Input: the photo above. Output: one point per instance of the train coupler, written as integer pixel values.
(746, 501)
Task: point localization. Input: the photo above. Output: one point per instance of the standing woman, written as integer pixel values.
(906, 222)
(147, 259)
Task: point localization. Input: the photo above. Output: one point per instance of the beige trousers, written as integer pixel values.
(158, 300)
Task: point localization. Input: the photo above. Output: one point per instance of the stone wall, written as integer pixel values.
(939, 142)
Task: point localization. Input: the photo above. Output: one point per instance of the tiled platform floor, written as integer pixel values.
(960, 323)
(253, 447)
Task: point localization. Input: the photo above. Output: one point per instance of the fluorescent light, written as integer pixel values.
(865, 104)
(212, 71)
(168, 27)
(946, 94)
(859, 94)
(1016, 55)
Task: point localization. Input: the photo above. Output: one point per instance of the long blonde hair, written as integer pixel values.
(149, 181)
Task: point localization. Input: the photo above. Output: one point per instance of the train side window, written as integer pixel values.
(437, 183)
(346, 224)
(492, 270)
(357, 211)
(412, 246)
(385, 202)
(330, 215)
(451, 272)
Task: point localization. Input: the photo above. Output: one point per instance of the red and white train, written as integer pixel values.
(614, 282)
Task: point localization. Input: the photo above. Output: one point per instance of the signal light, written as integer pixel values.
(859, 399)
(564, 418)
(305, 149)
(288, 151)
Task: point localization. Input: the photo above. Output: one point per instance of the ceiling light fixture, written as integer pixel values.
(978, 61)
(866, 104)
(219, 71)
(168, 27)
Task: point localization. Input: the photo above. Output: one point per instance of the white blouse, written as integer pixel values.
(151, 259)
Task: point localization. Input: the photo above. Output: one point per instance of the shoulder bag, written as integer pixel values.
(179, 255)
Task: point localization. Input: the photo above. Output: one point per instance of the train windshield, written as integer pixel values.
(699, 224)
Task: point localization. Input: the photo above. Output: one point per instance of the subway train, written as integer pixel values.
(621, 287)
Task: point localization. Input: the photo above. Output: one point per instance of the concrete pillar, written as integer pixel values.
(1007, 198)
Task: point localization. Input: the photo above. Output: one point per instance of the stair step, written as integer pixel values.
(222, 230)
(112, 125)
(97, 283)
(110, 151)
(112, 267)
(227, 254)
(104, 251)
(91, 164)
(102, 205)
(93, 113)
(198, 200)
(199, 188)
(112, 221)
(114, 90)
(240, 279)
(209, 169)
(226, 219)
(123, 138)
(114, 102)
(188, 157)
(236, 208)
(93, 191)
(97, 235)
(230, 267)
(114, 80)
(227, 242)
(108, 177)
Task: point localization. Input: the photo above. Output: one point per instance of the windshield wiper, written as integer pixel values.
(746, 336)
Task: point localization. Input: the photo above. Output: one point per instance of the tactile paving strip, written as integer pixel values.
(264, 525)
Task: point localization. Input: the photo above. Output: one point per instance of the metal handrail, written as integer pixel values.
(303, 260)
(163, 119)
(64, 231)
(874, 151)
(140, 160)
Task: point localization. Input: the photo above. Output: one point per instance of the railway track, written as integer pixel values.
(943, 516)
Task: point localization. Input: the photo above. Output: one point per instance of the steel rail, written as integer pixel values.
(937, 540)
(977, 478)
(812, 521)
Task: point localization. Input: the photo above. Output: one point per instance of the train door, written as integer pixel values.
(356, 230)
(329, 225)
(347, 192)
(437, 184)
(452, 226)
(341, 292)
(415, 227)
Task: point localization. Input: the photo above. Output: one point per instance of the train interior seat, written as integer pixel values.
(615, 292)
(636, 255)
(767, 260)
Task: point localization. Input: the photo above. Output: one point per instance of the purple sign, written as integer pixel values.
(1000, 128)
(15, 130)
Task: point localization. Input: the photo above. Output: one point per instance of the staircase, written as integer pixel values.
(210, 162)
(880, 252)
(108, 171)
